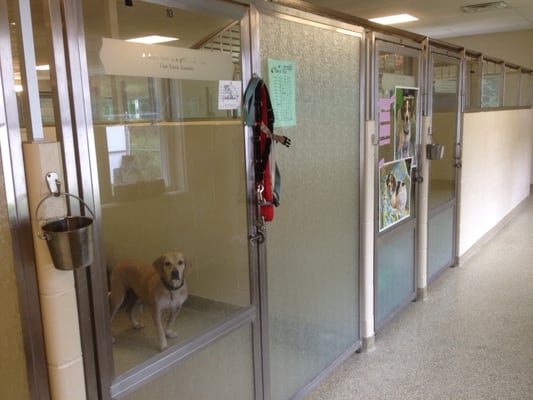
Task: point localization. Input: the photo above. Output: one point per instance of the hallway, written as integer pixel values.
(471, 340)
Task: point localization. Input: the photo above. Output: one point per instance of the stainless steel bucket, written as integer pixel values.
(70, 241)
(434, 151)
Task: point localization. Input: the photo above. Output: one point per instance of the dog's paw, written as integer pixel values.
(171, 334)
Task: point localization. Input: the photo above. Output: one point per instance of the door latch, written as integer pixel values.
(259, 237)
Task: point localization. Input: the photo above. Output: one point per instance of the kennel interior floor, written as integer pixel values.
(135, 346)
(471, 340)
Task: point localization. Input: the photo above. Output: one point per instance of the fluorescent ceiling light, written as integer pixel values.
(394, 19)
(152, 39)
(45, 67)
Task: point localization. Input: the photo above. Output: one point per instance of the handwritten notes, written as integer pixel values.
(282, 88)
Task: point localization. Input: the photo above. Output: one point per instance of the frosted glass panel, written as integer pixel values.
(440, 241)
(222, 371)
(395, 274)
(313, 240)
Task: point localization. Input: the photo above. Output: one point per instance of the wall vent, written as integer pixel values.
(475, 8)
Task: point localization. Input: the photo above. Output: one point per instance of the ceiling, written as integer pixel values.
(439, 19)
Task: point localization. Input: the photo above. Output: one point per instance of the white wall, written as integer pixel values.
(496, 173)
(514, 47)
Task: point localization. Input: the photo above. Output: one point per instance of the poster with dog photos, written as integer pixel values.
(405, 122)
(394, 192)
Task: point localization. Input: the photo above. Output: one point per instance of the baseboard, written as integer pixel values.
(481, 242)
(203, 304)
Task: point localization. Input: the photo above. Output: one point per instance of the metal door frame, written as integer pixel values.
(75, 132)
(18, 212)
(406, 47)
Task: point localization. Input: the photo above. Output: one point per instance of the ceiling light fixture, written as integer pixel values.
(474, 8)
(394, 19)
(152, 39)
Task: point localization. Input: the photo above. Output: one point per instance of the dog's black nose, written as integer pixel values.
(175, 274)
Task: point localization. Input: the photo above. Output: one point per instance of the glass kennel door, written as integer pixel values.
(312, 243)
(165, 94)
(398, 115)
(444, 106)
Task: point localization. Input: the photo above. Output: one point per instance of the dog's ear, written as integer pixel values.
(188, 267)
(158, 264)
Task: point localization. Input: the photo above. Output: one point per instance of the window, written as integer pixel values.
(512, 87)
(526, 89)
(491, 86)
(143, 160)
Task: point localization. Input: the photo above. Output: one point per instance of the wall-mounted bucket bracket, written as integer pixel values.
(54, 184)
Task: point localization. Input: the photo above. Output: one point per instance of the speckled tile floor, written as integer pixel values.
(471, 340)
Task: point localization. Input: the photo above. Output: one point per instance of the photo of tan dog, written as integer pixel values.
(404, 133)
(160, 286)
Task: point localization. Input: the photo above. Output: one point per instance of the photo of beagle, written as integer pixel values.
(404, 132)
(160, 286)
(394, 192)
(399, 197)
(397, 192)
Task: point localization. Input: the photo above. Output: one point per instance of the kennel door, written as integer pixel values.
(398, 93)
(170, 147)
(444, 107)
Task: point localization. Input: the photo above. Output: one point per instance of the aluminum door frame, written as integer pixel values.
(14, 184)
(406, 47)
(79, 149)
